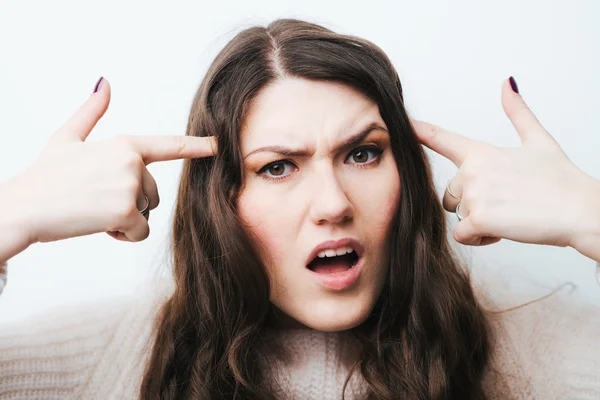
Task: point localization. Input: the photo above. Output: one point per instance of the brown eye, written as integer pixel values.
(360, 156)
(276, 169)
(364, 155)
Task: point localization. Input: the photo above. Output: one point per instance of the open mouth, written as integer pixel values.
(334, 264)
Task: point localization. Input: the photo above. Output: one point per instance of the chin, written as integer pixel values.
(333, 316)
(335, 326)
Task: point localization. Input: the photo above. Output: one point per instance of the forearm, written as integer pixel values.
(586, 236)
(14, 232)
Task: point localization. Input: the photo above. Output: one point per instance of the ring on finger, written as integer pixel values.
(146, 210)
(460, 217)
(449, 192)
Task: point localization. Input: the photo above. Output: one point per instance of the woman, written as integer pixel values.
(310, 252)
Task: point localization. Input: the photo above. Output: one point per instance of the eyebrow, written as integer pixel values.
(349, 142)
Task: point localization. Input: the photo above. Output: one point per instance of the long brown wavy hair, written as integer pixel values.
(426, 338)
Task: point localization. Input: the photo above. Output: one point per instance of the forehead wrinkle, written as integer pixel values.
(350, 141)
(356, 119)
(360, 109)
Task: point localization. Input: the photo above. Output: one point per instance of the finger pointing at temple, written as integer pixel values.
(154, 148)
(451, 145)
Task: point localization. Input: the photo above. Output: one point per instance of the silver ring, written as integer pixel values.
(449, 192)
(146, 208)
(460, 217)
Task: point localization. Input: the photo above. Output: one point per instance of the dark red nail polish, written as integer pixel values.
(513, 85)
(98, 84)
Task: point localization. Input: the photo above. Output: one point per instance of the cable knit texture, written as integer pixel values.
(546, 350)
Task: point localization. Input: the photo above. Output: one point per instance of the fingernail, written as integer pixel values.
(513, 85)
(98, 84)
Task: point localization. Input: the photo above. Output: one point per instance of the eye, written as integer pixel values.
(277, 169)
(364, 155)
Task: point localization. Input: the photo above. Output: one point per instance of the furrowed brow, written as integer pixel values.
(359, 137)
(347, 143)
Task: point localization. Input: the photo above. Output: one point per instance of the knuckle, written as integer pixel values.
(469, 175)
(469, 169)
(134, 162)
(141, 234)
(468, 196)
(145, 233)
(488, 156)
(128, 210)
(133, 187)
(131, 161)
(125, 149)
(485, 154)
(123, 141)
(477, 218)
(180, 145)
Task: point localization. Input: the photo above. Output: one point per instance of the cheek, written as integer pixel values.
(378, 198)
(264, 224)
(379, 201)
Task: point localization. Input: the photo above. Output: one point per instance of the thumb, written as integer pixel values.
(527, 125)
(81, 123)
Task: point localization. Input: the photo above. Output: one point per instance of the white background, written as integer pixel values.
(451, 56)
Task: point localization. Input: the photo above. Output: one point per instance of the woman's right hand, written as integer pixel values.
(78, 188)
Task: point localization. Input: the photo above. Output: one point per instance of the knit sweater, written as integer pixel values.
(549, 349)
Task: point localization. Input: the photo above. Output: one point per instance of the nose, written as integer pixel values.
(329, 201)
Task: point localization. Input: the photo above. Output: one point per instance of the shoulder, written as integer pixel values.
(73, 351)
(546, 341)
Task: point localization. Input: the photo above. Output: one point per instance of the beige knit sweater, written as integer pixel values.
(547, 350)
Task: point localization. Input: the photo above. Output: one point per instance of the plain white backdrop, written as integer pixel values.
(452, 57)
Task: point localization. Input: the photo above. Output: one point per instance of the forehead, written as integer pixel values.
(295, 109)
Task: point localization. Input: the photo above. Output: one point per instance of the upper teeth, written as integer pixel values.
(335, 252)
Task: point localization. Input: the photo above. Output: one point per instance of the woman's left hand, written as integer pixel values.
(530, 194)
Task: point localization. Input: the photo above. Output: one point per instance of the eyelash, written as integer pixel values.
(374, 149)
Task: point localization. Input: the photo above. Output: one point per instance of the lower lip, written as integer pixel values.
(340, 280)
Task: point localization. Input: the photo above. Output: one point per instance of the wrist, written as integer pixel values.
(15, 228)
(585, 237)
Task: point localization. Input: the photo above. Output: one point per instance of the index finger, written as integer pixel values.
(451, 145)
(154, 148)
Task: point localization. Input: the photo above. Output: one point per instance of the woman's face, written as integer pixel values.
(318, 168)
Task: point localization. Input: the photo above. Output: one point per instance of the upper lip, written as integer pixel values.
(334, 244)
